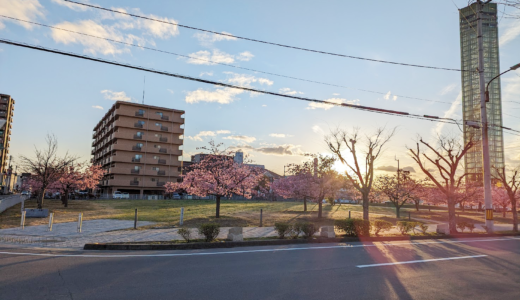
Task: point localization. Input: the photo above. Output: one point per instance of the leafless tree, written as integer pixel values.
(46, 166)
(359, 161)
(511, 184)
(446, 158)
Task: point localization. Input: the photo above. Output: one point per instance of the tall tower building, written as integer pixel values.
(471, 90)
(6, 120)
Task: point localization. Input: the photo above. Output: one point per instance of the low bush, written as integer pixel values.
(461, 226)
(282, 229)
(346, 225)
(354, 227)
(362, 227)
(424, 227)
(296, 229)
(471, 227)
(185, 233)
(414, 226)
(405, 226)
(381, 225)
(308, 229)
(330, 200)
(210, 231)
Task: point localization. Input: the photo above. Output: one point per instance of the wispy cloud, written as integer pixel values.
(73, 6)
(206, 74)
(510, 32)
(317, 129)
(116, 96)
(279, 135)
(288, 91)
(450, 113)
(171, 91)
(279, 150)
(30, 10)
(200, 135)
(97, 107)
(242, 138)
(447, 89)
(205, 57)
(326, 106)
(207, 39)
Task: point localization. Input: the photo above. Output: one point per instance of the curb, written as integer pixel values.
(274, 242)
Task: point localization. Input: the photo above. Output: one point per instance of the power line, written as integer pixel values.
(219, 63)
(511, 116)
(359, 107)
(265, 42)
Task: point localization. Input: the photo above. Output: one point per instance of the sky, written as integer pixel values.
(67, 97)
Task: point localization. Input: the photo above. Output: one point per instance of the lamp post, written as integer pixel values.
(513, 68)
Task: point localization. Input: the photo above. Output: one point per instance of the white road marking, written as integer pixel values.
(258, 250)
(418, 261)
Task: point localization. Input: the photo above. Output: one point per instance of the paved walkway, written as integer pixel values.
(64, 235)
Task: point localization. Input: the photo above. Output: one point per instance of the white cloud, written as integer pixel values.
(317, 129)
(246, 80)
(116, 96)
(281, 150)
(325, 106)
(200, 135)
(510, 32)
(207, 39)
(450, 113)
(243, 138)
(206, 73)
(245, 56)
(265, 81)
(387, 95)
(205, 57)
(72, 6)
(97, 106)
(263, 105)
(335, 94)
(29, 10)
(279, 135)
(171, 91)
(511, 87)
(288, 91)
(222, 96)
(448, 89)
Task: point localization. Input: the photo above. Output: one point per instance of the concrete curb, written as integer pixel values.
(275, 242)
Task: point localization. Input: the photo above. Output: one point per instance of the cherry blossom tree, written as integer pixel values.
(501, 199)
(47, 166)
(77, 177)
(298, 186)
(399, 190)
(219, 175)
(447, 160)
(510, 182)
(359, 160)
(91, 177)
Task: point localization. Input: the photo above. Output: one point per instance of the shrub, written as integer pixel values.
(405, 226)
(185, 233)
(210, 231)
(330, 200)
(424, 227)
(296, 229)
(282, 229)
(308, 229)
(461, 226)
(414, 225)
(346, 225)
(362, 227)
(354, 227)
(471, 227)
(381, 225)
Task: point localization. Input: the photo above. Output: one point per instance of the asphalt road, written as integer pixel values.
(487, 268)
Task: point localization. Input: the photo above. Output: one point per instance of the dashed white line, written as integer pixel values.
(418, 261)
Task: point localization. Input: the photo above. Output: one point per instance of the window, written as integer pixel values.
(158, 135)
(142, 111)
(137, 168)
(140, 122)
(138, 156)
(139, 145)
(159, 113)
(157, 146)
(158, 124)
(139, 133)
(136, 178)
(156, 157)
(155, 168)
(153, 179)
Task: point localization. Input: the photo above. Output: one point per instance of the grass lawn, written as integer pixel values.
(233, 213)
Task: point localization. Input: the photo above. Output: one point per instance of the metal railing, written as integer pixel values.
(161, 183)
(138, 137)
(161, 161)
(163, 139)
(134, 182)
(136, 148)
(164, 128)
(134, 171)
(138, 125)
(139, 114)
(161, 172)
(136, 160)
(166, 118)
(162, 150)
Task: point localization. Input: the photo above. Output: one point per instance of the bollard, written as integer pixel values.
(22, 221)
(182, 216)
(261, 212)
(135, 219)
(80, 222)
(349, 214)
(51, 219)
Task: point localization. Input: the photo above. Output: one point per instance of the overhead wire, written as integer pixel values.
(115, 63)
(264, 42)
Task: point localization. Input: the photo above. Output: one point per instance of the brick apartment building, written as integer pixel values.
(6, 120)
(140, 147)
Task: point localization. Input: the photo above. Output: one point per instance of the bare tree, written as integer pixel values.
(361, 171)
(46, 167)
(446, 158)
(511, 184)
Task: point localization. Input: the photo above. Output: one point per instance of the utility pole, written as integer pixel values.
(483, 118)
(397, 190)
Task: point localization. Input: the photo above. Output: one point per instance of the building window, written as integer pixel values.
(142, 111)
(157, 146)
(136, 178)
(158, 135)
(138, 156)
(140, 122)
(159, 113)
(139, 145)
(139, 133)
(156, 157)
(155, 168)
(153, 179)
(158, 124)
(137, 168)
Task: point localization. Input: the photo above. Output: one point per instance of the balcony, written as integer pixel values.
(138, 125)
(166, 118)
(138, 137)
(163, 139)
(134, 182)
(136, 148)
(164, 128)
(137, 160)
(139, 114)
(162, 150)
(160, 183)
(161, 173)
(134, 171)
(161, 161)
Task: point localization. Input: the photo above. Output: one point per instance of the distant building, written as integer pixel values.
(6, 120)
(471, 88)
(140, 147)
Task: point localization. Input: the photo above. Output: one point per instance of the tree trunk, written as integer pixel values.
(40, 198)
(365, 206)
(66, 200)
(462, 206)
(397, 211)
(217, 214)
(320, 205)
(304, 203)
(451, 216)
(417, 206)
(504, 209)
(515, 216)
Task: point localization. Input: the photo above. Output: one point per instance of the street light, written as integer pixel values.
(513, 68)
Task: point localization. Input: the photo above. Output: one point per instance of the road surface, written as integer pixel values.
(485, 268)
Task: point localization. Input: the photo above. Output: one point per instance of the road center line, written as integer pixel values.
(258, 250)
(418, 261)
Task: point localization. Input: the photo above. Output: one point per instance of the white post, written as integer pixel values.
(80, 222)
(22, 221)
(182, 216)
(483, 118)
(51, 219)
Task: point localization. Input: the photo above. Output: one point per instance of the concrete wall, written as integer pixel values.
(9, 201)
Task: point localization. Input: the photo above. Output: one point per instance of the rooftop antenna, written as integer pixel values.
(144, 85)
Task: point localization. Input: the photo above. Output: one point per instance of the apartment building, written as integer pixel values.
(140, 147)
(6, 120)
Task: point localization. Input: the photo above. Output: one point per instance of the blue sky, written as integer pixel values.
(67, 97)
